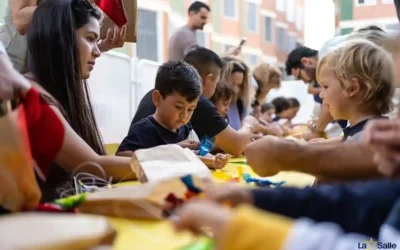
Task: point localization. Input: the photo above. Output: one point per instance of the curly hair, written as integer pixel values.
(371, 65)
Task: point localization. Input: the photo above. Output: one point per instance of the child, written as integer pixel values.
(256, 109)
(294, 107)
(282, 108)
(177, 90)
(222, 98)
(360, 87)
(267, 112)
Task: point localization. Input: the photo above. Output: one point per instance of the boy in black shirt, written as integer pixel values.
(177, 91)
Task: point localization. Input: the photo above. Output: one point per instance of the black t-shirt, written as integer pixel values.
(316, 97)
(354, 132)
(148, 133)
(205, 119)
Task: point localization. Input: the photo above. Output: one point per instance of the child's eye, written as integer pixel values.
(191, 110)
(178, 107)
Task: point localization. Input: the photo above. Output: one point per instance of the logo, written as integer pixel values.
(374, 245)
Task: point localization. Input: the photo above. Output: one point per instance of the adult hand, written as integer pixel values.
(275, 129)
(192, 145)
(232, 193)
(198, 215)
(253, 122)
(235, 51)
(10, 79)
(384, 138)
(267, 155)
(115, 38)
(220, 161)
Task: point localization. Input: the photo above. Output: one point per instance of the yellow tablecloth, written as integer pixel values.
(149, 235)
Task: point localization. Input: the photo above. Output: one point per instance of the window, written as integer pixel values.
(299, 18)
(252, 59)
(147, 35)
(387, 1)
(290, 10)
(365, 2)
(393, 26)
(230, 8)
(280, 38)
(268, 29)
(280, 5)
(201, 37)
(251, 17)
(291, 43)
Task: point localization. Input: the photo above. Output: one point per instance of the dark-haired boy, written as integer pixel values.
(177, 91)
(206, 120)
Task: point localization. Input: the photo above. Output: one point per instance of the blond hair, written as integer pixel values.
(370, 64)
(267, 75)
(246, 91)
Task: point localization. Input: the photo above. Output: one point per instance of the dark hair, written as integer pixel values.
(54, 59)
(196, 7)
(294, 58)
(179, 77)
(370, 27)
(204, 60)
(255, 103)
(267, 106)
(294, 103)
(223, 91)
(281, 104)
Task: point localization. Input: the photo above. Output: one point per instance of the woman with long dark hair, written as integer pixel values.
(62, 45)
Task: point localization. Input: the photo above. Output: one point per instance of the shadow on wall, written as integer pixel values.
(297, 89)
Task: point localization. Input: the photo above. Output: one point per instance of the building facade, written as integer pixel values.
(354, 14)
(272, 27)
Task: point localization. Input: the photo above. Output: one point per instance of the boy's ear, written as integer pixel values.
(157, 98)
(304, 61)
(207, 79)
(354, 87)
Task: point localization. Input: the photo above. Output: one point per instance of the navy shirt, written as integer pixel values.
(354, 132)
(206, 120)
(148, 133)
(316, 97)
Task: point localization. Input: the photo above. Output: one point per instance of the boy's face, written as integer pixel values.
(223, 106)
(286, 114)
(267, 115)
(257, 111)
(294, 112)
(173, 110)
(334, 97)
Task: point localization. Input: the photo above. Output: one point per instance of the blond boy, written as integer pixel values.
(357, 84)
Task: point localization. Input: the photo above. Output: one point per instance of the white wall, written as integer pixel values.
(110, 85)
(298, 90)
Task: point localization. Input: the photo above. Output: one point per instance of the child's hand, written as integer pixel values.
(189, 144)
(220, 161)
(232, 193)
(197, 215)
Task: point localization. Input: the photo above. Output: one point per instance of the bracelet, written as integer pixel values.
(249, 126)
